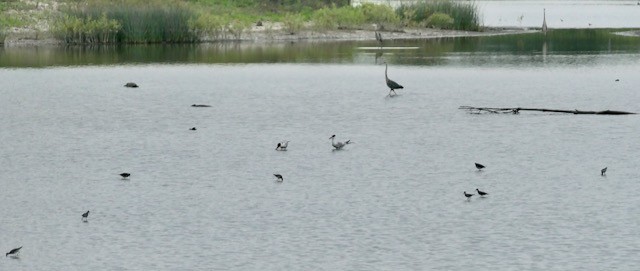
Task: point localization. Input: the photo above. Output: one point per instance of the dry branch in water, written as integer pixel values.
(516, 110)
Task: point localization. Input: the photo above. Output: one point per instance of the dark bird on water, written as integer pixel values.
(468, 195)
(479, 166)
(125, 175)
(603, 171)
(282, 146)
(85, 216)
(280, 179)
(131, 85)
(193, 128)
(482, 194)
(390, 83)
(200, 105)
(379, 38)
(617, 80)
(13, 251)
(338, 145)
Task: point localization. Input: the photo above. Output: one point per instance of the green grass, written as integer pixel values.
(465, 15)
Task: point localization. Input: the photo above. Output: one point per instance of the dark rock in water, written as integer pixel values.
(131, 85)
(200, 105)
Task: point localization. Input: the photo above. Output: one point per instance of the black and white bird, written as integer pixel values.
(280, 179)
(14, 251)
(479, 166)
(85, 216)
(468, 195)
(390, 83)
(482, 194)
(339, 145)
(603, 171)
(282, 146)
(125, 175)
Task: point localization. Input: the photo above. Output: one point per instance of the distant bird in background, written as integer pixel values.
(131, 85)
(14, 251)
(603, 171)
(85, 216)
(544, 20)
(468, 195)
(193, 129)
(125, 175)
(282, 146)
(280, 179)
(617, 80)
(390, 83)
(200, 105)
(339, 145)
(482, 194)
(379, 38)
(479, 166)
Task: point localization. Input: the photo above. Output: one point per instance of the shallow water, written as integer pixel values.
(207, 200)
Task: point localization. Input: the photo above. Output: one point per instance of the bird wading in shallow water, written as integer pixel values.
(279, 177)
(125, 175)
(379, 38)
(85, 216)
(13, 252)
(339, 145)
(390, 83)
(482, 194)
(603, 172)
(282, 146)
(467, 195)
(479, 166)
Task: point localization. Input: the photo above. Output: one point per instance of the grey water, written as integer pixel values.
(392, 200)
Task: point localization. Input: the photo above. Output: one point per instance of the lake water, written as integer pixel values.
(393, 200)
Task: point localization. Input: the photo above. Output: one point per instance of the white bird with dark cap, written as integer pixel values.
(339, 145)
(282, 146)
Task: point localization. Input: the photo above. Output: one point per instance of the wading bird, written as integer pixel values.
(468, 195)
(338, 145)
(193, 129)
(280, 179)
(544, 20)
(85, 216)
(390, 83)
(603, 171)
(479, 166)
(14, 251)
(125, 175)
(282, 146)
(379, 38)
(482, 194)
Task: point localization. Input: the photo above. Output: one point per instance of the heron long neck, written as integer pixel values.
(385, 71)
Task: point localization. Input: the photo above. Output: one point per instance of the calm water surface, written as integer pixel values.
(207, 200)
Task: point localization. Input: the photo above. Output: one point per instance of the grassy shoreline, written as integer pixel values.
(190, 21)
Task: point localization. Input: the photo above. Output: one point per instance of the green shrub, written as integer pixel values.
(72, 29)
(465, 14)
(324, 18)
(346, 17)
(381, 15)
(207, 24)
(293, 23)
(237, 26)
(439, 20)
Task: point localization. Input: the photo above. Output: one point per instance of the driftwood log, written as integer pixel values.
(516, 110)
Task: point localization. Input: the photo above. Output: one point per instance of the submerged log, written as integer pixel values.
(516, 110)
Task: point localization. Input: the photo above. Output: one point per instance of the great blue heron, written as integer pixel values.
(13, 251)
(85, 216)
(390, 83)
(482, 194)
(282, 146)
(603, 171)
(280, 179)
(131, 85)
(379, 38)
(479, 166)
(125, 175)
(338, 145)
(544, 20)
(468, 195)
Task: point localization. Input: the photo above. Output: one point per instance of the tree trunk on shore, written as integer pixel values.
(516, 110)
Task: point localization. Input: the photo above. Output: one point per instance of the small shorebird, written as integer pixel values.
(14, 251)
(468, 195)
(280, 179)
(193, 129)
(479, 166)
(85, 216)
(282, 146)
(339, 145)
(125, 175)
(482, 194)
(131, 85)
(603, 171)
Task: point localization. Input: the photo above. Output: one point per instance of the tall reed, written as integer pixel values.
(465, 14)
